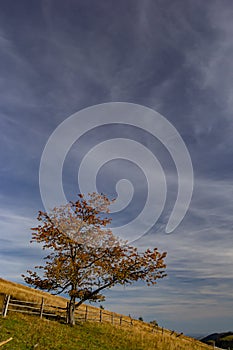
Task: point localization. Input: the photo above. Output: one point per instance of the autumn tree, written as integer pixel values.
(84, 257)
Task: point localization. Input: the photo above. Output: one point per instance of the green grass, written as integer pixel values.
(228, 338)
(30, 332)
(225, 342)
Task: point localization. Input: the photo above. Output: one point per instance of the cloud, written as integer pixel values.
(199, 261)
(217, 58)
(173, 57)
(212, 59)
(16, 253)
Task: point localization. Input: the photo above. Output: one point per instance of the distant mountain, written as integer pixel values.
(222, 340)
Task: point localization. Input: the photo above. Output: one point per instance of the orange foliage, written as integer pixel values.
(84, 256)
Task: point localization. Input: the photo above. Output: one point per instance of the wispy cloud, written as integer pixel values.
(16, 253)
(59, 57)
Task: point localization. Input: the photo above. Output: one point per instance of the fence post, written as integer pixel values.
(120, 320)
(100, 315)
(86, 313)
(67, 312)
(5, 305)
(41, 308)
(112, 318)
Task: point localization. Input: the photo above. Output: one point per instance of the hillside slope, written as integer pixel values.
(222, 340)
(30, 332)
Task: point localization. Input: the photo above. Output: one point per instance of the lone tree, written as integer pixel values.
(84, 257)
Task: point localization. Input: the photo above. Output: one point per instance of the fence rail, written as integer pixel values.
(47, 310)
(84, 314)
(32, 308)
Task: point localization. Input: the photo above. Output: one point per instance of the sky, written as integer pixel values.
(172, 56)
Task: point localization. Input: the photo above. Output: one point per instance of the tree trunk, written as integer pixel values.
(70, 311)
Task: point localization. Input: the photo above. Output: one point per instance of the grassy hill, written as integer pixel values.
(31, 332)
(22, 292)
(221, 340)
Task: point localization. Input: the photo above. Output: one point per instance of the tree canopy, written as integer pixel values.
(84, 257)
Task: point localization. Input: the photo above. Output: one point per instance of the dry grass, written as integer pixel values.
(21, 292)
(140, 335)
(30, 332)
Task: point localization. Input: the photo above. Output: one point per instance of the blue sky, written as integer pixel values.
(176, 57)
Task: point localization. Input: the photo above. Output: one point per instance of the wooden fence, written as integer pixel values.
(32, 308)
(85, 313)
(100, 315)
